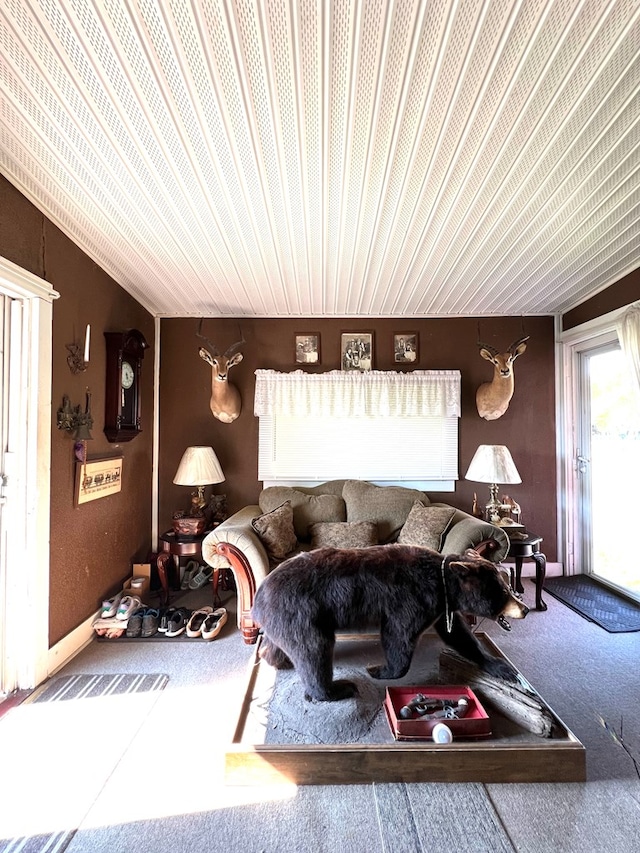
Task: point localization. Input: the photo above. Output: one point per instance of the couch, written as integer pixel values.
(340, 513)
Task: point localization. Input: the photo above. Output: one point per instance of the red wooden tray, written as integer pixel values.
(476, 723)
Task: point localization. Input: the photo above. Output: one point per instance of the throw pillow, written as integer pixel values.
(387, 506)
(426, 526)
(275, 530)
(307, 509)
(343, 534)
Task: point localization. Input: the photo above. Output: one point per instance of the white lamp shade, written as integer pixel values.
(199, 466)
(492, 463)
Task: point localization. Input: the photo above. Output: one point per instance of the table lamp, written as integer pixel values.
(198, 467)
(492, 463)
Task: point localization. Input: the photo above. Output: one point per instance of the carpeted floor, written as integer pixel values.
(595, 603)
(145, 771)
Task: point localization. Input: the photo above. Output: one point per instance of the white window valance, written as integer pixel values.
(374, 393)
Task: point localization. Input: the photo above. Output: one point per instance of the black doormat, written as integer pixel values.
(595, 603)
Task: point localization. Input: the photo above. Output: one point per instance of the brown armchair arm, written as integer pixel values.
(245, 585)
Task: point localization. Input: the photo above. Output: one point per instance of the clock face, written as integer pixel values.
(127, 375)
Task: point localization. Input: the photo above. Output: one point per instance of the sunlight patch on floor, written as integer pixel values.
(119, 759)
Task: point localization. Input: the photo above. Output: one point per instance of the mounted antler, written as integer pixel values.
(492, 398)
(225, 402)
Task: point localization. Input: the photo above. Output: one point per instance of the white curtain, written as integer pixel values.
(372, 393)
(628, 329)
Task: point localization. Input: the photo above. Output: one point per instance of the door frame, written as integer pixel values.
(571, 344)
(24, 598)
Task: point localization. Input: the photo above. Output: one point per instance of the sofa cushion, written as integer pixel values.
(343, 534)
(307, 509)
(426, 526)
(387, 506)
(275, 530)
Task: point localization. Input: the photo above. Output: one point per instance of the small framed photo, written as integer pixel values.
(97, 478)
(356, 351)
(405, 348)
(308, 348)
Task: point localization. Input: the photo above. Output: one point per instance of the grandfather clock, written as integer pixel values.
(125, 351)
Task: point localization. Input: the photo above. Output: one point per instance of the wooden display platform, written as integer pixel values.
(515, 757)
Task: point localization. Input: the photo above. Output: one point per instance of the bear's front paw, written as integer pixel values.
(383, 672)
(339, 690)
(500, 669)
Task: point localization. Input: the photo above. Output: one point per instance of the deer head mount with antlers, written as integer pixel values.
(492, 398)
(225, 402)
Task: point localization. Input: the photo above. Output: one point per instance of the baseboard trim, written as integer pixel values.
(68, 647)
(529, 568)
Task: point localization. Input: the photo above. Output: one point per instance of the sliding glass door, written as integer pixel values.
(607, 465)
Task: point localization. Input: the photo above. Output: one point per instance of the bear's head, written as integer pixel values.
(481, 589)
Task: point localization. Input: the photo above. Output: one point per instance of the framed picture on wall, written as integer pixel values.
(356, 351)
(97, 478)
(406, 347)
(307, 348)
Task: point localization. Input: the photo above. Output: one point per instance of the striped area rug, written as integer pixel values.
(91, 686)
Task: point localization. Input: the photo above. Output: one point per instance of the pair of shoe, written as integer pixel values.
(143, 622)
(202, 577)
(206, 622)
(173, 621)
(128, 604)
(190, 571)
(110, 606)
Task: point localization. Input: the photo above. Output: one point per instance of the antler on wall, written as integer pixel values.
(225, 402)
(493, 398)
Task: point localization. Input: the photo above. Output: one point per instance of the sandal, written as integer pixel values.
(128, 603)
(213, 623)
(194, 625)
(110, 606)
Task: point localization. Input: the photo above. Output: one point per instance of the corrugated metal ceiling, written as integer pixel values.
(332, 157)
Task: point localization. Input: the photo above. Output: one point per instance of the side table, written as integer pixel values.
(522, 549)
(178, 547)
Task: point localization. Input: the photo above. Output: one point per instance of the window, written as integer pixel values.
(381, 426)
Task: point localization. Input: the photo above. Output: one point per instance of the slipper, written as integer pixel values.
(213, 623)
(202, 578)
(128, 603)
(194, 625)
(110, 606)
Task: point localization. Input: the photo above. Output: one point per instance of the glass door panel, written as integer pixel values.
(609, 464)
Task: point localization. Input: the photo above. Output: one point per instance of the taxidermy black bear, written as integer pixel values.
(401, 588)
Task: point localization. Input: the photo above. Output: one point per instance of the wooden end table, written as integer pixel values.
(522, 549)
(178, 546)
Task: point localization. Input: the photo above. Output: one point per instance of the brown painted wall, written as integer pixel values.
(621, 293)
(92, 546)
(527, 428)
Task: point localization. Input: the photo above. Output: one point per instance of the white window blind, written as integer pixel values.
(379, 426)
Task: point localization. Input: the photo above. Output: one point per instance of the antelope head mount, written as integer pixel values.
(492, 398)
(225, 402)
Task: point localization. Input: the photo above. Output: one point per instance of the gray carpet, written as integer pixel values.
(583, 672)
(595, 603)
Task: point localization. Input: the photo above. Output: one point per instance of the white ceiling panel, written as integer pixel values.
(332, 157)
